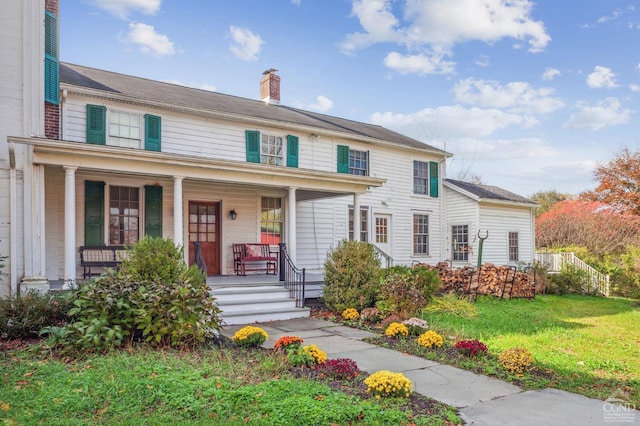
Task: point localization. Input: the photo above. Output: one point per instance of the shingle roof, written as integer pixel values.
(151, 90)
(489, 192)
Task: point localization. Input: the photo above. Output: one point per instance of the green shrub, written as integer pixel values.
(24, 315)
(426, 280)
(351, 276)
(154, 297)
(570, 279)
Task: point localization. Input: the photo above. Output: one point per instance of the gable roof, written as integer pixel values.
(142, 89)
(487, 192)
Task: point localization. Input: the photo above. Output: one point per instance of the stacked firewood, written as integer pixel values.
(489, 279)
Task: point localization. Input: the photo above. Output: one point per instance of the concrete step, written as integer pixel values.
(250, 316)
(249, 293)
(241, 305)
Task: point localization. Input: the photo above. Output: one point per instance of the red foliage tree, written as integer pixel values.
(591, 224)
(619, 182)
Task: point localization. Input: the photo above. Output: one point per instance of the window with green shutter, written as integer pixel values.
(433, 179)
(292, 151)
(253, 146)
(152, 127)
(93, 213)
(51, 63)
(96, 123)
(153, 211)
(343, 159)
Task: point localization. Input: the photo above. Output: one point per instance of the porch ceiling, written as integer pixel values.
(311, 184)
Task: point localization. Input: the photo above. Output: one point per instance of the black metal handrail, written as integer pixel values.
(293, 277)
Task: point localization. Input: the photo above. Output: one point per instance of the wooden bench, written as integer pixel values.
(254, 257)
(100, 257)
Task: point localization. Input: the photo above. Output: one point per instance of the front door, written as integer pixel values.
(204, 227)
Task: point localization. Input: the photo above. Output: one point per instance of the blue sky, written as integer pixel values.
(528, 96)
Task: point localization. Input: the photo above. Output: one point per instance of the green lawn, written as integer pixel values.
(592, 344)
(229, 386)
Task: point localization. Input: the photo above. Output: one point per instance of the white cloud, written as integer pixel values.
(434, 27)
(602, 77)
(296, 2)
(550, 73)
(149, 41)
(322, 104)
(245, 44)
(482, 61)
(614, 15)
(501, 149)
(418, 64)
(634, 87)
(122, 8)
(608, 112)
(515, 96)
(454, 122)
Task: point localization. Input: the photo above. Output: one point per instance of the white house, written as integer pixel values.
(90, 157)
(503, 220)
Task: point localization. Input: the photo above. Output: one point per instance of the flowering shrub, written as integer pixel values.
(430, 339)
(471, 347)
(250, 336)
(386, 383)
(350, 314)
(317, 354)
(339, 368)
(396, 329)
(516, 360)
(416, 326)
(288, 343)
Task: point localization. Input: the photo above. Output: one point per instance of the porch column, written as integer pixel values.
(356, 217)
(291, 225)
(69, 227)
(178, 221)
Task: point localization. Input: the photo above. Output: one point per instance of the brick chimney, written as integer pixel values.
(270, 87)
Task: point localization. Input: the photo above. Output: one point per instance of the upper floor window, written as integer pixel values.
(420, 177)
(513, 247)
(460, 242)
(124, 129)
(352, 161)
(420, 234)
(271, 150)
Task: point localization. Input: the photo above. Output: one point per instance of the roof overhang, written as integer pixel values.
(311, 184)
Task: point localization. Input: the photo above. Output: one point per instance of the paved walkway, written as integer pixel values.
(481, 400)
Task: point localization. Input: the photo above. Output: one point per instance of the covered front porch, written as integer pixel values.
(55, 201)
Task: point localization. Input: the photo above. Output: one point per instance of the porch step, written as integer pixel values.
(249, 304)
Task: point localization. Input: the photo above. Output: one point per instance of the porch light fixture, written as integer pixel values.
(233, 215)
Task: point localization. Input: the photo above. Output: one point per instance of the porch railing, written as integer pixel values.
(292, 276)
(388, 260)
(596, 281)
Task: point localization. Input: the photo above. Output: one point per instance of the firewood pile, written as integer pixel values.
(489, 279)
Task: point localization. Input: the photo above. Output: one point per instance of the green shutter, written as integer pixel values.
(433, 179)
(153, 211)
(96, 124)
(93, 213)
(152, 127)
(292, 151)
(343, 159)
(51, 63)
(253, 146)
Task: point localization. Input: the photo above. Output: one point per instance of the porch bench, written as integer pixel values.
(254, 257)
(99, 257)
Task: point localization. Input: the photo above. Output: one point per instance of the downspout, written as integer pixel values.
(13, 230)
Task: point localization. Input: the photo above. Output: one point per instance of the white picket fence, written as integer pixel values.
(596, 281)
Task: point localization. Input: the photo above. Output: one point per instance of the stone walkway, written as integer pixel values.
(481, 400)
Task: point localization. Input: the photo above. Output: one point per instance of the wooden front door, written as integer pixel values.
(204, 226)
